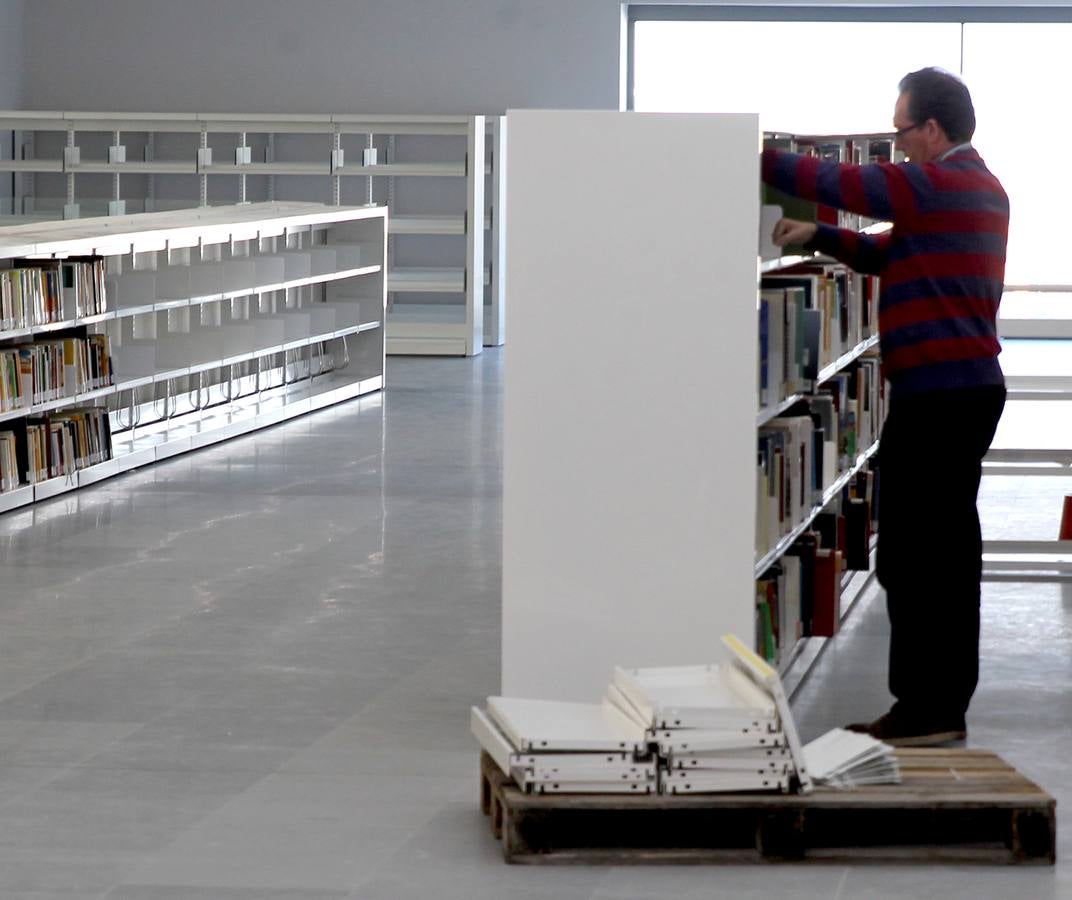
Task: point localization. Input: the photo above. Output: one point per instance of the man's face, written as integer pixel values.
(912, 139)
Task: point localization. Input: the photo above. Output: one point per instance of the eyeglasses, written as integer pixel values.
(901, 132)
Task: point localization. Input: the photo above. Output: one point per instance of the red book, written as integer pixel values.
(826, 612)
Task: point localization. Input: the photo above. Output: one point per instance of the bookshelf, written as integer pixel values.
(217, 321)
(442, 175)
(788, 636)
(630, 463)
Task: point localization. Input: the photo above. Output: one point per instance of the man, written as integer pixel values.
(942, 269)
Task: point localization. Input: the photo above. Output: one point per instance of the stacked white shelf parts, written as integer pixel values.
(715, 728)
(722, 727)
(718, 728)
(553, 747)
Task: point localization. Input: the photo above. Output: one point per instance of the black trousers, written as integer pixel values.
(930, 545)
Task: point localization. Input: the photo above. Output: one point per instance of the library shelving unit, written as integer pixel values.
(795, 656)
(631, 402)
(438, 175)
(217, 320)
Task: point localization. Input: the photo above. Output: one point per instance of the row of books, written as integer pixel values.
(807, 320)
(800, 595)
(46, 291)
(52, 369)
(800, 454)
(35, 449)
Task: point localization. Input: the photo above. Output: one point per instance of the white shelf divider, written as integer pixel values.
(625, 486)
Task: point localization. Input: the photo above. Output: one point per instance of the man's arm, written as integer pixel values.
(861, 252)
(884, 191)
(864, 253)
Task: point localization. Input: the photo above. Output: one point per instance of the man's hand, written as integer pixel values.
(790, 231)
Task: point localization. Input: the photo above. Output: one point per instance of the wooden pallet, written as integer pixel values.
(953, 805)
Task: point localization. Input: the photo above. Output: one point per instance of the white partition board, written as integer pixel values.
(630, 394)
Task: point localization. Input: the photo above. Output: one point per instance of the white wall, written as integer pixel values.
(378, 56)
(11, 52)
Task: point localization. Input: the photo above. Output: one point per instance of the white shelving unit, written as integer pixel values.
(630, 407)
(630, 436)
(102, 162)
(221, 320)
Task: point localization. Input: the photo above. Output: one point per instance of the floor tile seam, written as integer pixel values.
(66, 769)
(388, 856)
(263, 773)
(398, 684)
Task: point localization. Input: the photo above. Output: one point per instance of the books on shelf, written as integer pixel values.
(41, 292)
(30, 295)
(801, 453)
(808, 320)
(9, 461)
(54, 368)
(55, 445)
(800, 595)
(84, 291)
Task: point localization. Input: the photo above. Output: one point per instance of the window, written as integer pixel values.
(819, 75)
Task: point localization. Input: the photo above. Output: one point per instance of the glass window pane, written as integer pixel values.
(803, 77)
(1018, 75)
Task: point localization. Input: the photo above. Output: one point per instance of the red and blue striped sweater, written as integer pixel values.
(942, 266)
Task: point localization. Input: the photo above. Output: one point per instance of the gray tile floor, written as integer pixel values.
(244, 674)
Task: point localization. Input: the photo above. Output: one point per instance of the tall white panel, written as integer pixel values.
(630, 402)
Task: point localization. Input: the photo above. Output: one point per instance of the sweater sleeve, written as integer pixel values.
(884, 191)
(863, 253)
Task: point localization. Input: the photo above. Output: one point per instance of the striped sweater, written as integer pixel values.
(942, 266)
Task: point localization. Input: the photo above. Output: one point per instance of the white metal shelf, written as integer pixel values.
(131, 381)
(134, 167)
(768, 413)
(267, 168)
(121, 312)
(828, 372)
(31, 165)
(167, 374)
(771, 266)
(426, 225)
(147, 232)
(426, 280)
(774, 554)
(252, 414)
(407, 170)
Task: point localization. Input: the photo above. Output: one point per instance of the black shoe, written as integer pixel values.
(898, 732)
